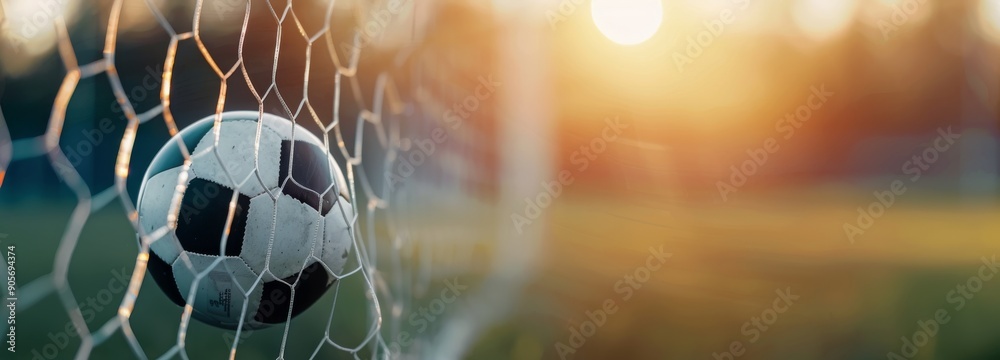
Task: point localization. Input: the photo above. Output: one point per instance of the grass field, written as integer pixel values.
(854, 301)
(103, 261)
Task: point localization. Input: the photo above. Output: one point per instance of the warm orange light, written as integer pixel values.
(28, 31)
(989, 15)
(627, 22)
(823, 19)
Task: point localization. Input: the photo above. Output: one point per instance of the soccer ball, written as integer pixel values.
(294, 242)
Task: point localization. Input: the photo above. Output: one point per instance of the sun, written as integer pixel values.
(627, 22)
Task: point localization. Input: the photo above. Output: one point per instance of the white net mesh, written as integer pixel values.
(400, 283)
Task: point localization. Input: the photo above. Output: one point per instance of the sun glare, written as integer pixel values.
(627, 22)
(28, 30)
(823, 19)
(989, 14)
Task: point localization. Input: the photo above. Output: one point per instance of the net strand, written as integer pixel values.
(87, 203)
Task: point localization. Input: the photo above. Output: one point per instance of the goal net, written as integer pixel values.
(413, 98)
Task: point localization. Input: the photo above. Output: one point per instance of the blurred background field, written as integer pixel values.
(856, 300)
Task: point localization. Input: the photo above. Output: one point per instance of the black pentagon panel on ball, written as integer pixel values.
(163, 274)
(274, 301)
(202, 220)
(310, 168)
(170, 156)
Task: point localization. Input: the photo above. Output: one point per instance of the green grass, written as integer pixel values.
(106, 248)
(857, 300)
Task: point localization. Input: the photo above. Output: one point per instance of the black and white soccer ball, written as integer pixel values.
(300, 238)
